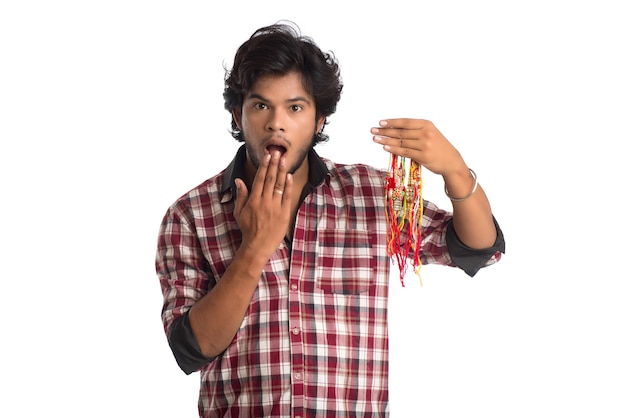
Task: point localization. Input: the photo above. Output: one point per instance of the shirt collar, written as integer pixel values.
(317, 172)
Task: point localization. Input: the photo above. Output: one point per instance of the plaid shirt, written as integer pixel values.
(314, 340)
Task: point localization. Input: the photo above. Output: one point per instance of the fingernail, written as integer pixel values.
(383, 123)
(375, 130)
(378, 138)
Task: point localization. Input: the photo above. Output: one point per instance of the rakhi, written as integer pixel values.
(404, 211)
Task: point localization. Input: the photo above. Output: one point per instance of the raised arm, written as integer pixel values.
(263, 215)
(422, 142)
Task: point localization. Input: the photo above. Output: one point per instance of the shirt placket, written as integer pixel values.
(300, 264)
(297, 354)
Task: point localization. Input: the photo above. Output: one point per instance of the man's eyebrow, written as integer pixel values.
(292, 100)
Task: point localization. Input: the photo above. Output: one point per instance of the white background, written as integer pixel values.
(111, 110)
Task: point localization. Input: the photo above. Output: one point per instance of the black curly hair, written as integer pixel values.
(280, 49)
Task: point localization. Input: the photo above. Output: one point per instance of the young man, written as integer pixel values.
(275, 272)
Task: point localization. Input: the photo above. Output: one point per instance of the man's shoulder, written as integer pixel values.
(201, 193)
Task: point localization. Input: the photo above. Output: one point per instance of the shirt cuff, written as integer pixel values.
(185, 346)
(468, 259)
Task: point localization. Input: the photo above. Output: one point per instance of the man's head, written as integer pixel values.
(279, 50)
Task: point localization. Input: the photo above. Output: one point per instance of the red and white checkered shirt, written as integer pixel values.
(314, 340)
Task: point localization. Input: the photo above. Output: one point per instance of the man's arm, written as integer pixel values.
(263, 218)
(472, 217)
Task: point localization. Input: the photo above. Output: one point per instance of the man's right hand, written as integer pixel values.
(263, 213)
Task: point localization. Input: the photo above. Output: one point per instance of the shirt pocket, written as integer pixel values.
(345, 261)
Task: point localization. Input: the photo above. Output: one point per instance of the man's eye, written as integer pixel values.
(260, 106)
(296, 108)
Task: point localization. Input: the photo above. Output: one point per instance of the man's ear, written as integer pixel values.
(237, 117)
(320, 124)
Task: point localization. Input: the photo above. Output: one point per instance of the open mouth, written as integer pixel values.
(272, 148)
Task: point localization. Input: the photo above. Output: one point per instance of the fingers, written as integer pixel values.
(395, 134)
(402, 128)
(269, 183)
(419, 140)
(394, 139)
(272, 180)
(287, 190)
(282, 186)
(275, 177)
(404, 123)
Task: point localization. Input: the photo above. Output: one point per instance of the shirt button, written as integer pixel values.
(294, 287)
(296, 331)
(297, 375)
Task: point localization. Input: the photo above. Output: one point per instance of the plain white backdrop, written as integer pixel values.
(111, 110)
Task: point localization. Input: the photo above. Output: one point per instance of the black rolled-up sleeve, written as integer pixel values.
(185, 346)
(468, 259)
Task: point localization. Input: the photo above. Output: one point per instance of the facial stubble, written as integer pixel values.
(256, 159)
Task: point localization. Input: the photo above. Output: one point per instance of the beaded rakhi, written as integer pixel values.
(404, 211)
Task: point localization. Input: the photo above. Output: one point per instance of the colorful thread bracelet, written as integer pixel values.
(404, 211)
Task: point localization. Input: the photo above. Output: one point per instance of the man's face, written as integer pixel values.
(278, 115)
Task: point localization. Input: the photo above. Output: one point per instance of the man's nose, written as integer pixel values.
(276, 121)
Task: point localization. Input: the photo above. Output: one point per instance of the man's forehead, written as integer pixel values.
(287, 87)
